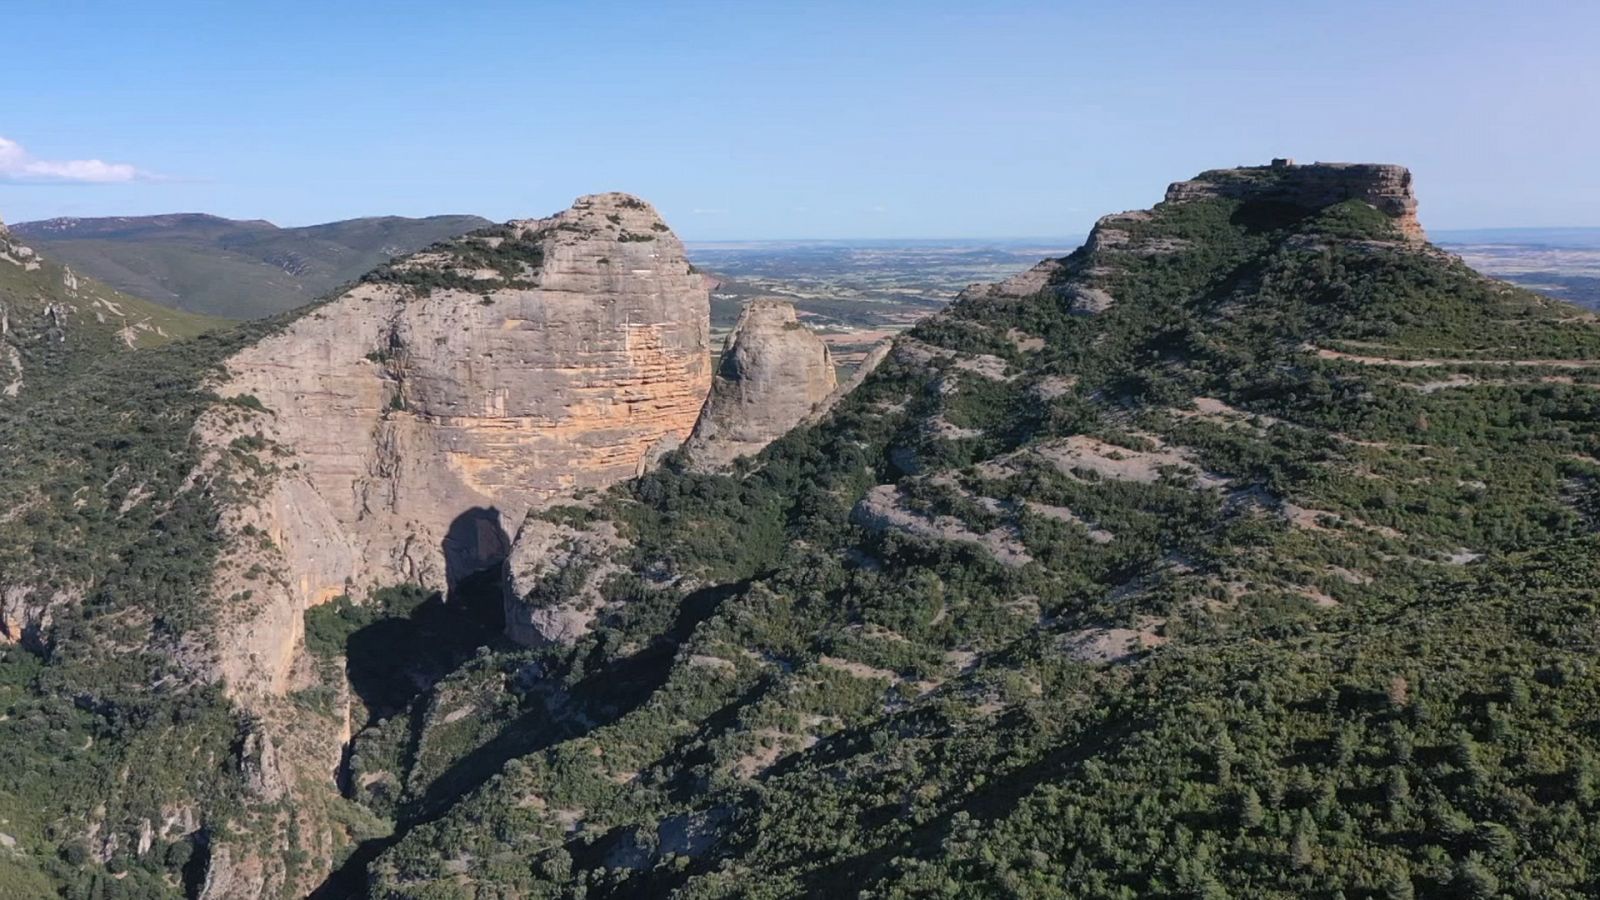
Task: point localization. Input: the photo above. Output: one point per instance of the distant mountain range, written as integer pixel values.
(240, 269)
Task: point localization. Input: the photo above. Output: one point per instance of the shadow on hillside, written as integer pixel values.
(476, 541)
(602, 697)
(393, 660)
(424, 637)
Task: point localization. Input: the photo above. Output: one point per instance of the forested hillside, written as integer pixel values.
(109, 743)
(1248, 551)
(1252, 555)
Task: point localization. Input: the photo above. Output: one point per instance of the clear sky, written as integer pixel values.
(761, 119)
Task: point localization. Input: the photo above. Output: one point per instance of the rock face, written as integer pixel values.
(551, 595)
(1386, 187)
(395, 433)
(1083, 280)
(773, 375)
(1022, 284)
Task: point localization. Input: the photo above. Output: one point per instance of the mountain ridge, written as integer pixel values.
(1138, 577)
(239, 269)
(1248, 550)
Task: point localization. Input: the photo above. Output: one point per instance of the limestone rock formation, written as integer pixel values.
(1386, 187)
(1022, 284)
(1083, 280)
(551, 593)
(774, 373)
(400, 430)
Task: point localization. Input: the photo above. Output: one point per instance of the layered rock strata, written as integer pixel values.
(399, 431)
(774, 375)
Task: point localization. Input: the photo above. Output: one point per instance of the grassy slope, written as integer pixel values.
(1333, 702)
(241, 270)
(28, 284)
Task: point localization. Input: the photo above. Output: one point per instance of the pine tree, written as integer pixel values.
(1248, 805)
(1496, 839)
(1581, 781)
(1300, 849)
(1474, 881)
(1396, 884)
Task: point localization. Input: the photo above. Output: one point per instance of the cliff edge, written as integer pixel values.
(401, 430)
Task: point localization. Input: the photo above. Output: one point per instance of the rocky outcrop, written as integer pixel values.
(774, 373)
(554, 578)
(1082, 281)
(395, 433)
(1018, 286)
(1386, 187)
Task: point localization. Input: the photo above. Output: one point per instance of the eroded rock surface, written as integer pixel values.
(773, 375)
(554, 578)
(1386, 187)
(400, 431)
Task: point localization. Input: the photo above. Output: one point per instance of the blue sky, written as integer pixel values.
(780, 120)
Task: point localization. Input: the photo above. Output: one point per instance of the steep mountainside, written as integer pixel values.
(1246, 551)
(110, 748)
(174, 511)
(226, 267)
(424, 412)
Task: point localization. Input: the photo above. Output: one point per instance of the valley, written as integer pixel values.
(856, 293)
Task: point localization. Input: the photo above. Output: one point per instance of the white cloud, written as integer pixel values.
(16, 164)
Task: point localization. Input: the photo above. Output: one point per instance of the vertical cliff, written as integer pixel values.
(396, 433)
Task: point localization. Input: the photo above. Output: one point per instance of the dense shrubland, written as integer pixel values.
(1360, 667)
(1327, 632)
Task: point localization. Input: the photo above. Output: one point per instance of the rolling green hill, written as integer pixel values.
(236, 269)
(53, 313)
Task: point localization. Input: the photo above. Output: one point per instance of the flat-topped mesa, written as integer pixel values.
(1083, 279)
(412, 422)
(774, 374)
(1385, 187)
